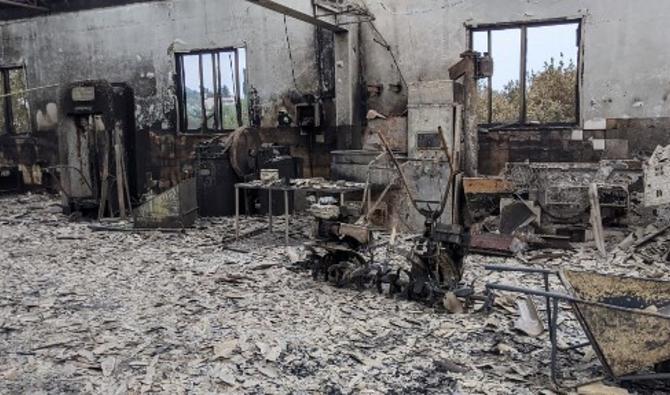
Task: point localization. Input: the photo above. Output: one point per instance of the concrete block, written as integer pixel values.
(616, 149)
(394, 130)
(430, 93)
(598, 144)
(595, 124)
(657, 177)
(577, 135)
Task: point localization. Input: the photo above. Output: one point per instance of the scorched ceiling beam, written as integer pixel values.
(282, 9)
(24, 5)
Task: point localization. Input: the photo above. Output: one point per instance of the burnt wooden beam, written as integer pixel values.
(282, 9)
(20, 4)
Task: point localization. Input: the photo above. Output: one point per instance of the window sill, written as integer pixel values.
(199, 133)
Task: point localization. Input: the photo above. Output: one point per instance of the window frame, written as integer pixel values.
(523, 26)
(6, 97)
(239, 82)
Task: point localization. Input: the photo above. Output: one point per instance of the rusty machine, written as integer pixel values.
(435, 122)
(343, 249)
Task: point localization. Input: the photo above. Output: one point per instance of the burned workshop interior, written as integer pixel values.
(334, 196)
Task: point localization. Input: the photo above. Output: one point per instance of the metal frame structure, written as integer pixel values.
(552, 299)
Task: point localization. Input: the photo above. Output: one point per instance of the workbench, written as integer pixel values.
(285, 189)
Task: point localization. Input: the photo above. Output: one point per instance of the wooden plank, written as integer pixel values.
(118, 152)
(596, 220)
(104, 188)
(487, 185)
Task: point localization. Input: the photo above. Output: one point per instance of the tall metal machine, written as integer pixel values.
(99, 171)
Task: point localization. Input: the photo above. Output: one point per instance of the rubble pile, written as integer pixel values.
(194, 312)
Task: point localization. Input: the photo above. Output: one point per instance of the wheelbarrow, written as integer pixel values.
(626, 319)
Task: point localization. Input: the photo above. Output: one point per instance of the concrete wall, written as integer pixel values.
(625, 51)
(136, 44)
(625, 72)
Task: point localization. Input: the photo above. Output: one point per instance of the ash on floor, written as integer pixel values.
(123, 312)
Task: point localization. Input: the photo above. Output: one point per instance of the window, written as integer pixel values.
(535, 77)
(212, 90)
(14, 117)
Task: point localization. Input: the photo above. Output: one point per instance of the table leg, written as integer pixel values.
(288, 216)
(237, 213)
(270, 208)
(246, 202)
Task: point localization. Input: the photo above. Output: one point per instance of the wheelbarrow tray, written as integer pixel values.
(626, 319)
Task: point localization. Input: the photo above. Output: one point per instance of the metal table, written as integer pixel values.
(285, 189)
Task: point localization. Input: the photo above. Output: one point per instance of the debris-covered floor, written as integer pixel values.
(120, 312)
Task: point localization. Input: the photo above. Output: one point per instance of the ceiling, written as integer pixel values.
(15, 9)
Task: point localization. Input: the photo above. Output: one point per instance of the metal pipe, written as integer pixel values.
(503, 268)
(535, 292)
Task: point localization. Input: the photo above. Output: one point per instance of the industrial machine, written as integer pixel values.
(10, 179)
(215, 180)
(240, 157)
(98, 148)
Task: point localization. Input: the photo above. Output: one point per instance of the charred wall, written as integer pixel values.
(624, 74)
(620, 139)
(136, 44)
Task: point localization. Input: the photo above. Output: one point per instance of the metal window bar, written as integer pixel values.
(202, 94)
(522, 78)
(219, 104)
(238, 100)
(181, 99)
(217, 95)
(489, 88)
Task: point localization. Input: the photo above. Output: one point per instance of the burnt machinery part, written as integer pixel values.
(344, 261)
(244, 147)
(437, 262)
(342, 267)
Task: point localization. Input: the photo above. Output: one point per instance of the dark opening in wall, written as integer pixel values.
(212, 90)
(535, 77)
